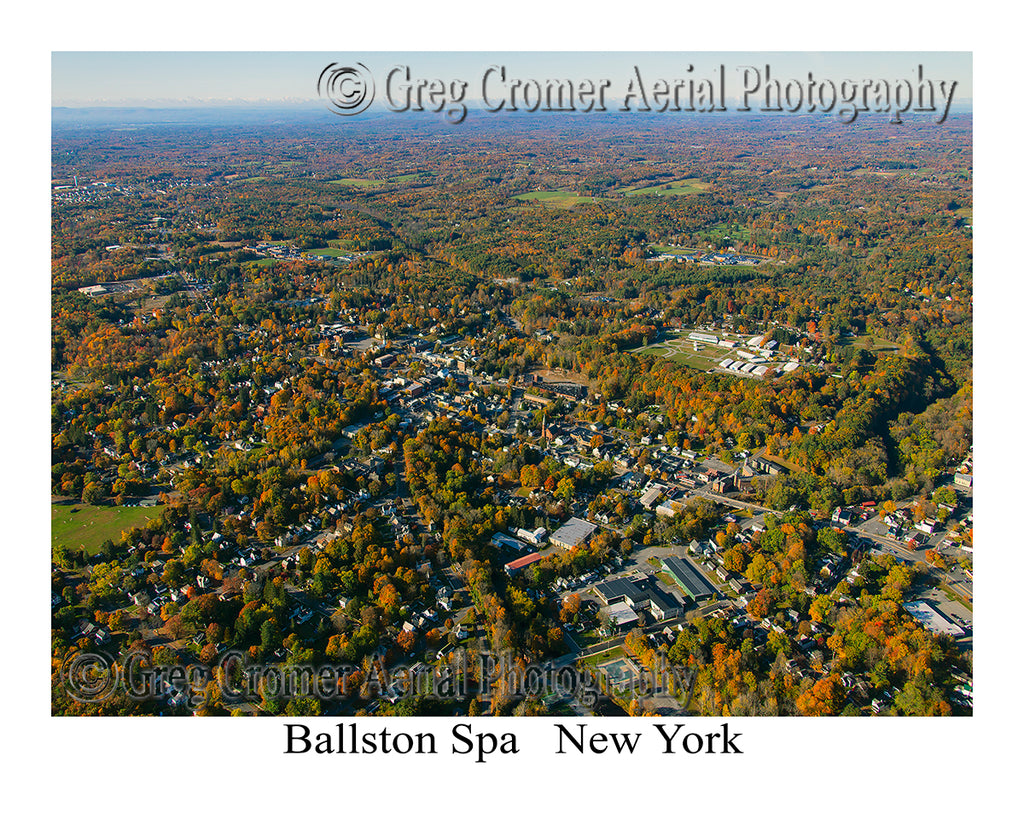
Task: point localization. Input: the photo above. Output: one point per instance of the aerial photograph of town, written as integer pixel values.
(482, 402)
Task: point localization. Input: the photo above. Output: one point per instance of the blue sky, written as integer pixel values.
(165, 77)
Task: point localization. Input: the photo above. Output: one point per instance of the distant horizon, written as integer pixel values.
(315, 114)
(159, 105)
(209, 78)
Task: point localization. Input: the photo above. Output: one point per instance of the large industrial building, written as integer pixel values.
(520, 563)
(639, 592)
(572, 533)
(689, 578)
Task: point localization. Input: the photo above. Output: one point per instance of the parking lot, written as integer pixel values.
(952, 610)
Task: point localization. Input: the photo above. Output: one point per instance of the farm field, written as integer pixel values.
(678, 188)
(363, 182)
(555, 199)
(356, 182)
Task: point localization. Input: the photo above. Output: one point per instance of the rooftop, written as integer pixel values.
(573, 532)
(621, 614)
(931, 619)
(521, 562)
(686, 574)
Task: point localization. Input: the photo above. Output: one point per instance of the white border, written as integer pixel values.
(794, 766)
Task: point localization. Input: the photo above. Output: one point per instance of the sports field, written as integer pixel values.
(80, 526)
(328, 251)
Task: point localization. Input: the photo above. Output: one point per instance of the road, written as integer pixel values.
(193, 291)
(704, 492)
(883, 542)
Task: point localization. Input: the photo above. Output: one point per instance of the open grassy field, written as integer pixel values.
(683, 187)
(327, 251)
(732, 231)
(616, 653)
(676, 347)
(681, 351)
(871, 172)
(699, 360)
(869, 343)
(555, 199)
(355, 182)
(80, 526)
(672, 249)
(415, 176)
(362, 182)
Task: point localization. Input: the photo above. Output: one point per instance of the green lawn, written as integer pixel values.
(356, 182)
(79, 526)
(362, 182)
(556, 199)
(585, 639)
(667, 579)
(327, 251)
(698, 360)
(732, 231)
(704, 359)
(869, 343)
(616, 653)
(672, 249)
